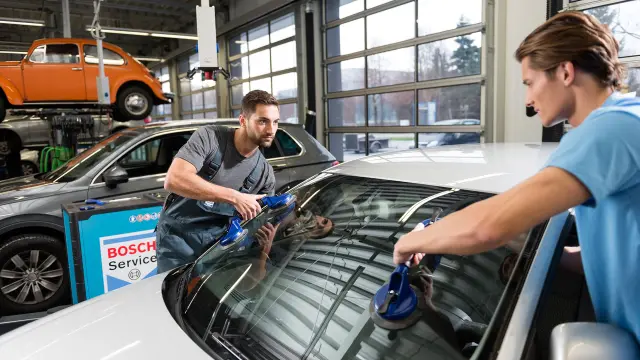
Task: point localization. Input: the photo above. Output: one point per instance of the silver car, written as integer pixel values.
(305, 292)
(31, 225)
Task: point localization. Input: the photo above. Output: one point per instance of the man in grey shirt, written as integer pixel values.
(220, 171)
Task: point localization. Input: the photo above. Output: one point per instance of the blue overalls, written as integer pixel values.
(188, 227)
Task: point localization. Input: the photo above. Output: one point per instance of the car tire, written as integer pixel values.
(29, 168)
(41, 263)
(133, 103)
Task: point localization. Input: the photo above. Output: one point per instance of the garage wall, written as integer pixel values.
(238, 8)
(515, 19)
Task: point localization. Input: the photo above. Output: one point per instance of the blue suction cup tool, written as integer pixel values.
(276, 202)
(395, 305)
(234, 233)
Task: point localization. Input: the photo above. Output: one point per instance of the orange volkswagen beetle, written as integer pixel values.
(62, 73)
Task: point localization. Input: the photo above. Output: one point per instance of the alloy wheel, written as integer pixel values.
(31, 277)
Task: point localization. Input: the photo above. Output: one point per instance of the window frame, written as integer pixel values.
(484, 78)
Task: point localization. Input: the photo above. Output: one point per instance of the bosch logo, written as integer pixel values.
(144, 217)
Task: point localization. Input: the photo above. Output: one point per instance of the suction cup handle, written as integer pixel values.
(274, 202)
(396, 300)
(234, 231)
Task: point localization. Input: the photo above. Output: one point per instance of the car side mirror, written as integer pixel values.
(586, 341)
(114, 176)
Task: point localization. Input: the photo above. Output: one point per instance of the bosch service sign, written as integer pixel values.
(127, 258)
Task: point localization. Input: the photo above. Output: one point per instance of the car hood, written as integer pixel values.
(27, 187)
(132, 322)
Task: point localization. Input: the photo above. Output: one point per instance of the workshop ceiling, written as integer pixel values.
(159, 15)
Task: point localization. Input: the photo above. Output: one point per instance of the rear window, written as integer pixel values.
(306, 292)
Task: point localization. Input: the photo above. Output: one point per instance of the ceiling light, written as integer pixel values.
(148, 59)
(13, 52)
(26, 22)
(139, 32)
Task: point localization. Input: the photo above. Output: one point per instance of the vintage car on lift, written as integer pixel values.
(62, 73)
(305, 291)
(128, 163)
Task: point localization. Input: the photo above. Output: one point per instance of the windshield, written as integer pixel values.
(302, 288)
(79, 165)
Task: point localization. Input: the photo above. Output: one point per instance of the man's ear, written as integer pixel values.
(242, 120)
(568, 73)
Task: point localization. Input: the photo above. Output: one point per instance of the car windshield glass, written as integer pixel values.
(79, 165)
(304, 288)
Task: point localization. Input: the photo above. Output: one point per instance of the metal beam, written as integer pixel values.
(66, 19)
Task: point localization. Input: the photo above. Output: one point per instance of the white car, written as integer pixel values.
(306, 292)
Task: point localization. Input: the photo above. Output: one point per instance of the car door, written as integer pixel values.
(146, 163)
(54, 73)
(114, 68)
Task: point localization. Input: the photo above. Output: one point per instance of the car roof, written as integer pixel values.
(176, 124)
(490, 167)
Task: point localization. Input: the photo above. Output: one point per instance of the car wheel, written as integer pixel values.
(133, 103)
(33, 274)
(29, 168)
(375, 147)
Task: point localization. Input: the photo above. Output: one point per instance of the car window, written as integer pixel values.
(307, 290)
(79, 165)
(288, 144)
(153, 157)
(110, 57)
(272, 151)
(56, 54)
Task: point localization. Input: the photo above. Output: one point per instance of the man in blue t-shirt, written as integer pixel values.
(571, 69)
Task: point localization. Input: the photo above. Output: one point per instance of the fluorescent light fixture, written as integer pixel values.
(148, 59)
(26, 22)
(139, 32)
(13, 52)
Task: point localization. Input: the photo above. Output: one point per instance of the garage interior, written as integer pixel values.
(362, 77)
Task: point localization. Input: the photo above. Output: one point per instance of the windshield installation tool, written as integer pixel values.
(236, 233)
(399, 304)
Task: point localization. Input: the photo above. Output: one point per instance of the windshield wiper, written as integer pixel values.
(229, 346)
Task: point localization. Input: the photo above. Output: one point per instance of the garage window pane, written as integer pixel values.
(338, 9)
(196, 82)
(346, 38)
(453, 105)
(346, 111)
(236, 113)
(262, 84)
(238, 44)
(374, 3)
(459, 56)
(400, 25)
(258, 37)
(185, 103)
(285, 86)
(283, 56)
(622, 19)
(259, 63)
(438, 139)
(283, 28)
(183, 65)
(346, 75)
(289, 113)
(167, 109)
(185, 86)
(210, 99)
(391, 142)
(392, 109)
(211, 115)
(238, 92)
(391, 67)
(239, 69)
(166, 87)
(346, 147)
(197, 102)
(198, 116)
(632, 82)
(434, 18)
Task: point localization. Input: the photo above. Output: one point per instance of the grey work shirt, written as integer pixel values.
(235, 168)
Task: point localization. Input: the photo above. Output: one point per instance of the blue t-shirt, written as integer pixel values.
(604, 154)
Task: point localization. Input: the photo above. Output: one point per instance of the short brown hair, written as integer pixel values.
(254, 98)
(576, 37)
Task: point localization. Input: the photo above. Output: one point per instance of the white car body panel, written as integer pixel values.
(134, 323)
(492, 167)
(129, 323)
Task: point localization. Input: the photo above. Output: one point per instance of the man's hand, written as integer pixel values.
(247, 205)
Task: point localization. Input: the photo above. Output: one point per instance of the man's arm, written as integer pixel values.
(491, 223)
(183, 179)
